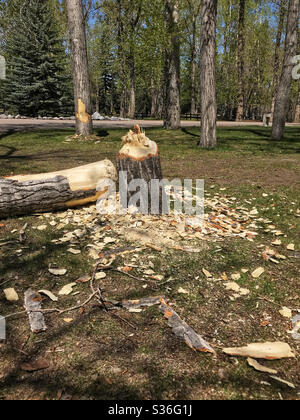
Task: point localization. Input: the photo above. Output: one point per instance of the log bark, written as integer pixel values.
(139, 160)
(32, 303)
(28, 194)
(181, 329)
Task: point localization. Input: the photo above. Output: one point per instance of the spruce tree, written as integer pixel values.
(37, 81)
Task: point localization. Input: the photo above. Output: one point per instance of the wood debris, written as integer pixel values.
(289, 384)
(39, 364)
(57, 271)
(67, 289)
(33, 305)
(207, 274)
(286, 312)
(267, 350)
(11, 295)
(139, 303)
(181, 329)
(49, 294)
(258, 272)
(257, 366)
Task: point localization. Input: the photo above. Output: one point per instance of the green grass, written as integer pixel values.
(103, 357)
(47, 150)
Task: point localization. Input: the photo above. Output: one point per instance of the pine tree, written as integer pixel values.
(37, 80)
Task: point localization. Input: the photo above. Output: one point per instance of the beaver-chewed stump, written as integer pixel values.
(139, 168)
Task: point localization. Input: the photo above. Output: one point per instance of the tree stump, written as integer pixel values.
(139, 166)
(27, 194)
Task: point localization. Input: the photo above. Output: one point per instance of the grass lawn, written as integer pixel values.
(99, 356)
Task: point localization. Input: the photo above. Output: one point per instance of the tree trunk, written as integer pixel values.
(193, 68)
(131, 111)
(121, 59)
(27, 194)
(297, 110)
(282, 97)
(241, 61)
(139, 160)
(153, 99)
(172, 67)
(97, 98)
(193, 88)
(208, 74)
(282, 13)
(82, 91)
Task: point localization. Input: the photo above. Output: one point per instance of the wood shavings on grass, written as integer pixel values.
(223, 219)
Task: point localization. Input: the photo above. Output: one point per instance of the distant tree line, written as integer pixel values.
(147, 56)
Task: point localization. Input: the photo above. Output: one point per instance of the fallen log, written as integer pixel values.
(139, 159)
(28, 194)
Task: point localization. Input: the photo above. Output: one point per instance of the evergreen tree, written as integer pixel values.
(37, 80)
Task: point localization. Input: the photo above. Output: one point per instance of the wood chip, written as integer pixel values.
(207, 274)
(183, 291)
(57, 271)
(74, 251)
(85, 278)
(258, 272)
(99, 276)
(67, 289)
(11, 295)
(267, 350)
(68, 320)
(257, 366)
(49, 294)
(39, 364)
(286, 312)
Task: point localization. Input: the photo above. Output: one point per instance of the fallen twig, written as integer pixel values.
(6, 281)
(134, 277)
(54, 310)
(8, 243)
(22, 236)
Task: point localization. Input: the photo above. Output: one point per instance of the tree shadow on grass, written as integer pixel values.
(81, 379)
(185, 131)
(84, 371)
(101, 133)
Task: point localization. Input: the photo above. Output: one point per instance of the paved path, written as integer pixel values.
(32, 124)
